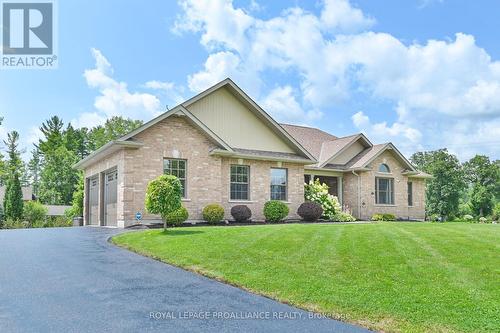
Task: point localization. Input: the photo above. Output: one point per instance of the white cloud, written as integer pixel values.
(222, 24)
(171, 91)
(283, 106)
(89, 120)
(3, 134)
(426, 3)
(115, 98)
(333, 56)
(34, 135)
(340, 16)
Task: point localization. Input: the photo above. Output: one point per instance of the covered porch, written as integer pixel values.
(331, 178)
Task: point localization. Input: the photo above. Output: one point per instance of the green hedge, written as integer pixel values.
(383, 217)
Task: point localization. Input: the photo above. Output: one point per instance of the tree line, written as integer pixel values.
(456, 189)
(460, 189)
(49, 170)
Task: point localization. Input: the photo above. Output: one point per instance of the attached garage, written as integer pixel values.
(93, 202)
(110, 195)
(101, 204)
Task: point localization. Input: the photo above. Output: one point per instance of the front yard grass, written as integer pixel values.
(407, 277)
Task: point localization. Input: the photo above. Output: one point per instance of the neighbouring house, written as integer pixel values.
(28, 195)
(26, 190)
(226, 149)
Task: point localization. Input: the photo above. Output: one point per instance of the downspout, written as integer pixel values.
(359, 193)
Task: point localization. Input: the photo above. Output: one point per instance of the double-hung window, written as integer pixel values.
(384, 191)
(176, 167)
(240, 180)
(279, 182)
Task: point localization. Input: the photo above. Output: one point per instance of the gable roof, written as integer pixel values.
(332, 149)
(127, 141)
(363, 159)
(322, 145)
(181, 109)
(253, 107)
(309, 137)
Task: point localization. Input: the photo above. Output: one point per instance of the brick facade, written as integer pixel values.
(207, 175)
(367, 195)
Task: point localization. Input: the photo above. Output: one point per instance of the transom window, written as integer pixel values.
(384, 191)
(279, 180)
(240, 179)
(176, 167)
(384, 168)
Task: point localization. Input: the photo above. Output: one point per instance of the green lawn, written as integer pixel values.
(408, 277)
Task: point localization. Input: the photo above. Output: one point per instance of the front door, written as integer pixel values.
(332, 183)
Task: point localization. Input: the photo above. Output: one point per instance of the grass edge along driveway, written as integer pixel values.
(395, 277)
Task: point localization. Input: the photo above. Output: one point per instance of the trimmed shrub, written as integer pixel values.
(275, 210)
(310, 211)
(241, 213)
(383, 217)
(389, 217)
(343, 217)
(163, 196)
(176, 218)
(483, 219)
(213, 213)
(34, 212)
(468, 218)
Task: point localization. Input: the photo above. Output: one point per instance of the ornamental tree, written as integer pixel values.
(163, 196)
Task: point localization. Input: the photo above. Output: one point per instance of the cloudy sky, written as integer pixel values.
(423, 74)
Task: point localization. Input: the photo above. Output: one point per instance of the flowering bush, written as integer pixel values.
(468, 218)
(343, 217)
(317, 192)
(483, 219)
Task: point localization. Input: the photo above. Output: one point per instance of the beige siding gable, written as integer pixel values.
(234, 123)
(348, 154)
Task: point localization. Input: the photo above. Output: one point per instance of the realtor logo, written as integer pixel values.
(28, 34)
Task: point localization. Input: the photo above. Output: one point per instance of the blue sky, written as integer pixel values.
(422, 74)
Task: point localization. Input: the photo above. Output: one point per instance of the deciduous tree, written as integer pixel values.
(445, 188)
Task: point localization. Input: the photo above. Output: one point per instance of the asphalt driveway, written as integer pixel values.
(73, 280)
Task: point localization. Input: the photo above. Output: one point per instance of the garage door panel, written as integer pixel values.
(110, 198)
(94, 201)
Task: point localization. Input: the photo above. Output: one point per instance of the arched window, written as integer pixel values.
(384, 168)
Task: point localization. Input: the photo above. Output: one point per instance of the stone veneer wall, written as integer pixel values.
(367, 179)
(207, 176)
(173, 137)
(260, 186)
(112, 161)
